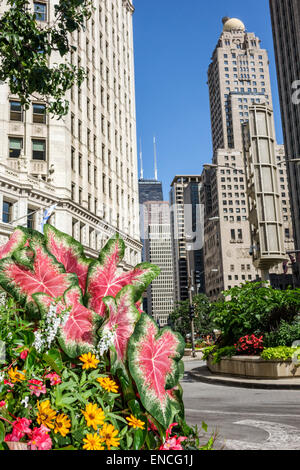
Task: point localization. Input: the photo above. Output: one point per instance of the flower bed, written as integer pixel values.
(84, 367)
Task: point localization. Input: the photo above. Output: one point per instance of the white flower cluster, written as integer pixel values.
(2, 375)
(3, 299)
(45, 336)
(106, 341)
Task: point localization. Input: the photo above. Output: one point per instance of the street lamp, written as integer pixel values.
(292, 160)
(191, 289)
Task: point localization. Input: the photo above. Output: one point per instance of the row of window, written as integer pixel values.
(16, 112)
(38, 148)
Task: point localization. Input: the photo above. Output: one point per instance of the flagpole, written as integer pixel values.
(30, 213)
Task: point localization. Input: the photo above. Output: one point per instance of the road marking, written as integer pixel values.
(240, 413)
(281, 437)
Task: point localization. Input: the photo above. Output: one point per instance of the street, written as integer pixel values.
(245, 419)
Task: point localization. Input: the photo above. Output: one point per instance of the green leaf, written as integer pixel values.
(139, 438)
(54, 360)
(2, 431)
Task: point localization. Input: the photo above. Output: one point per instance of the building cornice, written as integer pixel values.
(129, 6)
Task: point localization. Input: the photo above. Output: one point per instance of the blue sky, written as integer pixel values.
(174, 41)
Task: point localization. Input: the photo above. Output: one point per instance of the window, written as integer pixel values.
(232, 233)
(30, 218)
(287, 233)
(15, 146)
(39, 113)
(40, 11)
(7, 212)
(38, 149)
(16, 112)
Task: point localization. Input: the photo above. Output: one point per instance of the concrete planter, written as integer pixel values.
(254, 367)
(188, 352)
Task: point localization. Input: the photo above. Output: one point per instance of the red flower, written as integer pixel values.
(21, 427)
(24, 354)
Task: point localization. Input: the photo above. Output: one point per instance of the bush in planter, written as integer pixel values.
(218, 353)
(253, 308)
(285, 335)
(249, 345)
(93, 374)
(282, 353)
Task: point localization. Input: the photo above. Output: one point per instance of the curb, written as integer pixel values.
(202, 374)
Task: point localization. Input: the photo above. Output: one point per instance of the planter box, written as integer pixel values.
(188, 352)
(254, 367)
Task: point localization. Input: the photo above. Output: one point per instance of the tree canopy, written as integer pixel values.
(203, 324)
(28, 42)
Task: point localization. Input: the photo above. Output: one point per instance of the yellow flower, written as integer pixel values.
(89, 361)
(62, 425)
(94, 416)
(108, 436)
(92, 442)
(15, 375)
(108, 384)
(45, 414)
(135, 423)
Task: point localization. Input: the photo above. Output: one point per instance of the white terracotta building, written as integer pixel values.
(86, 163)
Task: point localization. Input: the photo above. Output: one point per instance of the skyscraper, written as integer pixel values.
(184, 204)
(158, 250)
(238, 77)
(86, 163)
(285, 15)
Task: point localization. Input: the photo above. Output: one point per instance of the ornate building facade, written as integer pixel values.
(85, 163)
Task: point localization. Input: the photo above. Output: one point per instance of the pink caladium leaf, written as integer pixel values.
(78, 334)
(122, 318)
(105, 279)
(154, 363)
(45, 275)
(16, 241)
(68, 252)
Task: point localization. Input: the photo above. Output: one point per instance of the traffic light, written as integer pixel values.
(192, 312)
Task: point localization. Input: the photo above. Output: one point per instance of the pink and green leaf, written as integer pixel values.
(122, 318)
(106, 280)
(16, 241)
(45, 275)
(78, 335)
(68, 252)
(154, 363)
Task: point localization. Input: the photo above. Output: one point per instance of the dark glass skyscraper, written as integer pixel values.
(150, 190)
(285, 15)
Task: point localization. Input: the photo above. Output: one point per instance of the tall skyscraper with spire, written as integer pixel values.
(238, 77)
(157, 243)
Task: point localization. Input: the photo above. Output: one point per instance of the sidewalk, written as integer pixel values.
(202, 374)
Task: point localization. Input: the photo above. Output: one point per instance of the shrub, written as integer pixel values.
(203, 323)
(283, 353)
(249, 345)
(253, 308)
(218, 353)
(80, 374)
(284, 336)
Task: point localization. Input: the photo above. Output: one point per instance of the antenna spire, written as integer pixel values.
(155, 159)
(141, 160)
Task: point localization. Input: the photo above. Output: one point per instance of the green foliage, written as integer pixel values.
(253, 308)
(203, 322)
(285, 335)
(218, 353)
(283, 353)
(27, 45)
